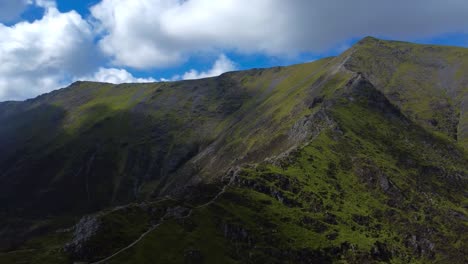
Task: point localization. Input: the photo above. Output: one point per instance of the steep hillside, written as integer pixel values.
(428, 83)
(94, 145)
(360, 158)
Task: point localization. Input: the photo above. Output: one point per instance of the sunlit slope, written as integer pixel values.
(359, 158)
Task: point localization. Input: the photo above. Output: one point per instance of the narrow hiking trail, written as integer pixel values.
(223, 190)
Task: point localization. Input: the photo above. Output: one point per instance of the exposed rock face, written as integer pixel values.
(374, 177)
(273, 191)
(177, 212)
(310, 126)
(83, 231)
(421, 246)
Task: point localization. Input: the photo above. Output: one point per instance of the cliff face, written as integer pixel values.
(356, 158)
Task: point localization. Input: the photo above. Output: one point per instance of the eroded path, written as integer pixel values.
(223, 190)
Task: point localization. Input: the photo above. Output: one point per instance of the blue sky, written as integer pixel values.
(48, 44)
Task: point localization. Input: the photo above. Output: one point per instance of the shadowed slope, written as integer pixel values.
(356, 158)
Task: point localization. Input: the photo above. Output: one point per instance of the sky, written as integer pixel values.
(48, 44)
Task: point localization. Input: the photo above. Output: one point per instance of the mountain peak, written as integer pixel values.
(368, 39)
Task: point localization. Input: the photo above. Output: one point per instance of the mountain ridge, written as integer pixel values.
(381, 125)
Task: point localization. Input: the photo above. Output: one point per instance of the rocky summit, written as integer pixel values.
(359, 158)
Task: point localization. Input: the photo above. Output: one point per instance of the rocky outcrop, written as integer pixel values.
(421, 246)
(83, 231)
(275, 191)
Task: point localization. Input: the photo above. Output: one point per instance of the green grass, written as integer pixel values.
(425, 81)
(378, 165)
(331, 184)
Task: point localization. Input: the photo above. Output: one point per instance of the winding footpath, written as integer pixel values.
(223, 190)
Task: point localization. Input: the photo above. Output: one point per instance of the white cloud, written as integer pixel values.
(43, 55)
(11, 9)
(221, 65)
(113, 75)
(141, 43)
(45, 3)
(39, 56)
(159, 33)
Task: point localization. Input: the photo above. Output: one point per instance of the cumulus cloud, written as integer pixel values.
(46, 3)
(152, 33)
(222, 64)
(158, 33)
(135, 36)
(113, 75)
(48, 53)
(43, 55)
(12, 9)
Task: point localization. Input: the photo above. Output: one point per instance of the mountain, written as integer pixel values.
(359, 158)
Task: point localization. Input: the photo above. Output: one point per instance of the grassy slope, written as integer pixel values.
(429, 83)
(138, 138)
(364, 189)
(361, 191)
